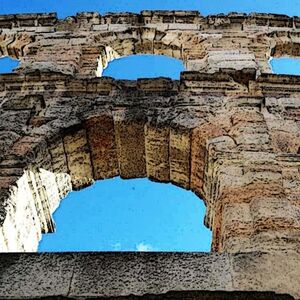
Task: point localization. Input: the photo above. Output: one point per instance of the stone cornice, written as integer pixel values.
(224, 83)
(145, 17)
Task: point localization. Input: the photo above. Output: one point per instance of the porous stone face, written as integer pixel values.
(87, 42)
(228, 130)
(188, 276)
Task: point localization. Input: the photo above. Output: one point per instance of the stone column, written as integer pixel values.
(253, 191)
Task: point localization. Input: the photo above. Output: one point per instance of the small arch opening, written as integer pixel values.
(143, 66)
(285, 65)
(8, 64)
(129, 215)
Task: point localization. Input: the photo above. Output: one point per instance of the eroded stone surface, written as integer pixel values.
(219, 145)
(228, 130)
(145, 276)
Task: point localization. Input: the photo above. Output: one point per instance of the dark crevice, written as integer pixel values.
(193, 295)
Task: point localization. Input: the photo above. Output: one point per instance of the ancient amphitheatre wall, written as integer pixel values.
(229, 130)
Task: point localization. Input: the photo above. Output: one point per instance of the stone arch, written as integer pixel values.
(41, 169)
(277, 44)
(285, 43)
(125, 41)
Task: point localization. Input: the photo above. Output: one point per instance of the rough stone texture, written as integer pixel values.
(229, 130)
(87, 42)
(154, 275)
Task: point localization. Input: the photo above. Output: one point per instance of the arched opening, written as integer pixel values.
(285, 65)
(284, 55)
(100, 147)
(146, 42)
(8, 64)
(129, 215)
(144, 66)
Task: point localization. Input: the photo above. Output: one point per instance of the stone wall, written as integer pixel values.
(86, 42)
(228, 130)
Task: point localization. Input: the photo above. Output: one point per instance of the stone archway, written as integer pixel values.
(204, 144)
(123, 142)
(222, 130)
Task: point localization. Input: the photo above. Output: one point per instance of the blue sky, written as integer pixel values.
(137, 215)
(130, 215)
(7, 64)
(285, 65)
(148, 66)
(71, 7)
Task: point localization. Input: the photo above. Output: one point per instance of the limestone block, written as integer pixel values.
(47, 67)
(58, 156)
(200, 135)
(157, 143)
(236, 221)
(179, 26)
(52, 193)
(27, 147)
(291, 179)
(180, 156)
(8, 120)
(118, 27)
(148, 33)
(273, 271)
(100, 27)
(42, 276)
(64, 184)
(233, 59)
(274, 214)
(7, 139)
(22, 226)
(40, 199)
(78, 158)
(157, 26)
(196, 65)
(101, 139)
(144, 273)
(130, 140)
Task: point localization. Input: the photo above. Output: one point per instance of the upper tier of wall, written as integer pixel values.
(86, 43)
(145, 17)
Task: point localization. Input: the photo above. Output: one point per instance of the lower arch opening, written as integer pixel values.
(129, 215)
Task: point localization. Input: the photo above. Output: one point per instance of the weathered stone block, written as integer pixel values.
(78, 158)
(157, 144)
(101, 139)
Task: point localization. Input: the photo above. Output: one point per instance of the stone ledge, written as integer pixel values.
(189, 80)
(146, 17)
(112, 274)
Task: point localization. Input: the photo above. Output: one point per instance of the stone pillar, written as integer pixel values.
(253, 191)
